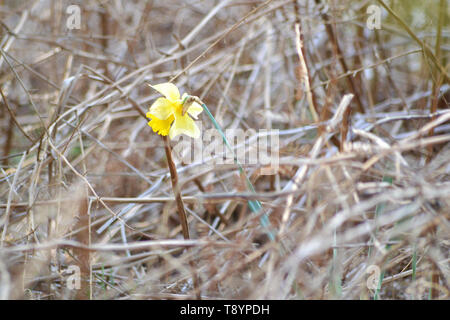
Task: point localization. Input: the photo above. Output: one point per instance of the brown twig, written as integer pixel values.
(13, 117)
(304, 73)
(340, 56)
(82, 255)
(176, 189)
(180, 206)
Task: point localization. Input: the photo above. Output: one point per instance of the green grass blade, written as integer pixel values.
(254, 205)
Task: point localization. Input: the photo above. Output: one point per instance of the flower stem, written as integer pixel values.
(176, 189)
(181, 211)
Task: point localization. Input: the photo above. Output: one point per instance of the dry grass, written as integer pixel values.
(362, 187)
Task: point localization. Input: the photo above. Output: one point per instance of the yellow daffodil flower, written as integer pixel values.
(167, 114)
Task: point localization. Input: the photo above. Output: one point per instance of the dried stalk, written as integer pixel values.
(181, 210)
(176, 189)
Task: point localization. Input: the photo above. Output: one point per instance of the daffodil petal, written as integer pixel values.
(184, 124)
(195, 109)
(161, 127)
(169, 90)
(161, 108)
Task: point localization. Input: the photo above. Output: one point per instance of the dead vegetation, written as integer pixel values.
(359, 204)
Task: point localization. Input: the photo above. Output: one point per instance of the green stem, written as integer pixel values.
(254, 205)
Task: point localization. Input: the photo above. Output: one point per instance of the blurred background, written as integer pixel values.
(76, 151)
